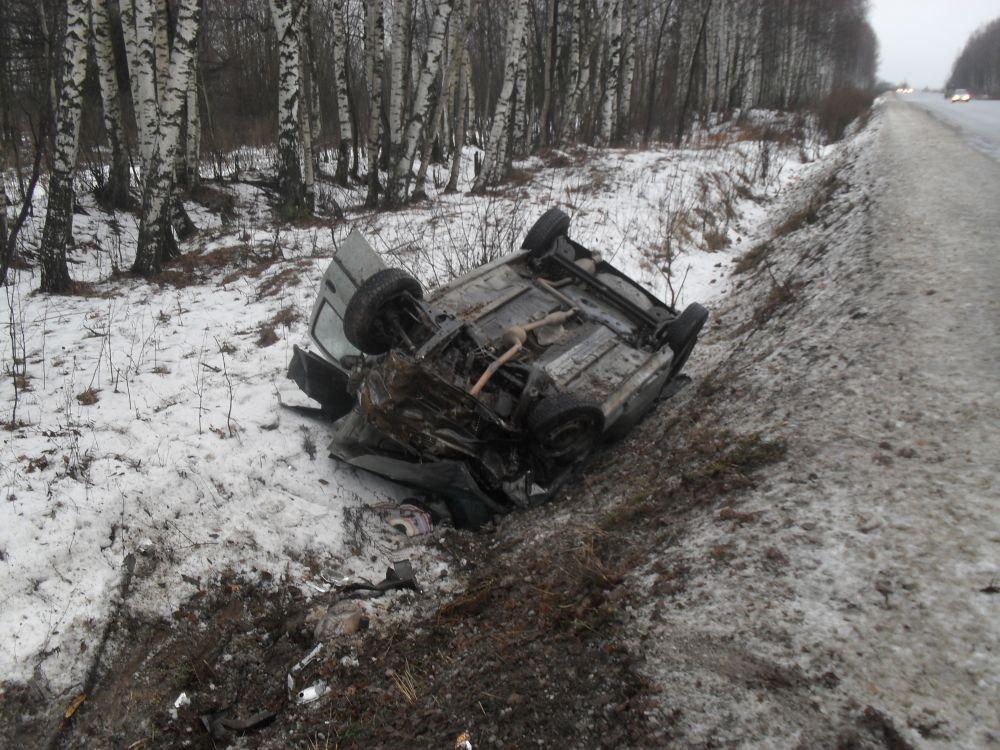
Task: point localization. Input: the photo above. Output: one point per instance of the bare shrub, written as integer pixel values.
(840, 108)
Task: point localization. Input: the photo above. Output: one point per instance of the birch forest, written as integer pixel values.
(145, 95)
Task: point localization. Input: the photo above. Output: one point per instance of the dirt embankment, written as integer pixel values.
(655, 604)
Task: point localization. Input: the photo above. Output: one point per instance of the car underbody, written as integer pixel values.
(490, 393)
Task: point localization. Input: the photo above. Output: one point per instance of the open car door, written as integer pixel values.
(322, 374)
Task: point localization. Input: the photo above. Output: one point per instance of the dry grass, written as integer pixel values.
(752, 258)
(780, 295)
(88, 397)
(267, 331)
(716, 240)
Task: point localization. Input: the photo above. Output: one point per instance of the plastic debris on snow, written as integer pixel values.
(411, 520)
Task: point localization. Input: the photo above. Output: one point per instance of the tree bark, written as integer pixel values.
(458, 32)
(423, 103)
(343, 105)
(305, 84)
(154, 228)
(609, 110)
(575, 63)
(58, 230)
(397, 74)
(494, 156)
(375, 41)
(287, 16)
(461, 106)
(629, 29)
(115, 193)
(548, 73)
(192, 144)
(138, 25)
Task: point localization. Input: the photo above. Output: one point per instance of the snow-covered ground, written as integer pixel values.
(144, 418)
(850, 599)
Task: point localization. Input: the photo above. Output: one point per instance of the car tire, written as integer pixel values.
(563, 428)
(682, 335)
(364, 316)
(551, 225)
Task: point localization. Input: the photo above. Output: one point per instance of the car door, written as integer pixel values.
(322, 375)
(352, 264)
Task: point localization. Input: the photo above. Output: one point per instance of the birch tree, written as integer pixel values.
(423, 104)
(494, 156)
(116, 189)
(340, 77)
(192, 130)
(551, 37)
(458, 32)
(306, 83)
(155, 236)
(287, 16)
(58, 230)
(629, 32)
(609, 109)
(138, 27)
(574, 64)
(397, 83)
(374, 52)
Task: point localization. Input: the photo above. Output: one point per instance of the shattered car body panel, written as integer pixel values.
(493, 389)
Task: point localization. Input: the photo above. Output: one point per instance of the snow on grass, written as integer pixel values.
(148, 418)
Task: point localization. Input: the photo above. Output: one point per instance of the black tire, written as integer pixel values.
(364, 318)
(551, 225)
(682, 335)
(564, 428)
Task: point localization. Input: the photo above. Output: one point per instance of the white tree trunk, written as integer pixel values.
(375, 50)
(305, 85)
(58, 230)
(460, 119)
(116, 191)
(192, 146)
(609, 110)
(496, 147)
(287, 16)
(456, 31)
(161, 43)
(139, 30)
(629, 31)
(340, 78)
(575, 63)
(397, 88)
(154, 229)
(423, 103)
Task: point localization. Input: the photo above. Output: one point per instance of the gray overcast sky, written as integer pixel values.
(919, 39)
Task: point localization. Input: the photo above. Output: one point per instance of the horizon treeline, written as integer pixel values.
(977, 67)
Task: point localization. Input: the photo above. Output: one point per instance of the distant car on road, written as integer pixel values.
(959, 96)
(491, 392)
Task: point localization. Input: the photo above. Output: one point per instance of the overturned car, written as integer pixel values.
(487, 394)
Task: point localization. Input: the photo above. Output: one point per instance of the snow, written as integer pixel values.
(883, 383)
(185, 457)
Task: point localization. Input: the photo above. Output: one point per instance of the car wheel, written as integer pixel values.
(682, 334)
(564, 428)
(368, 316)
(552, 224)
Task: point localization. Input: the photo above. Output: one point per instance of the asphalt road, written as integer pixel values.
(977, 122)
